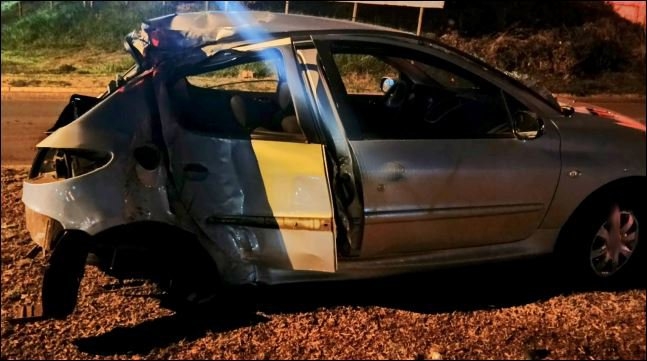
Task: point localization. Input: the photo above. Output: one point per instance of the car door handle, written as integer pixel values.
(394, 171)
(196, 172)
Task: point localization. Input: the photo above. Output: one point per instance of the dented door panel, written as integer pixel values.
(258, 202)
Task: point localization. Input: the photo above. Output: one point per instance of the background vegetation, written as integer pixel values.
(580, 47)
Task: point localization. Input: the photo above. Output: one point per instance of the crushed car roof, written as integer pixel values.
(200, 28)
(190, 33)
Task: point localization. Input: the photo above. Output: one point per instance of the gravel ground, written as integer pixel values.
(479, 313)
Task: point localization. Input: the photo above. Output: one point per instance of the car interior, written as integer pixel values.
(242, 106)
(424, 101)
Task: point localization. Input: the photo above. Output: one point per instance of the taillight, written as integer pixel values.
(54, 164)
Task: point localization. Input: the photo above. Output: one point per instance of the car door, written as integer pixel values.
(468, 182)
(259, 198)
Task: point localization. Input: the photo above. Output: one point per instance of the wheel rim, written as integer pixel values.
(614, 243)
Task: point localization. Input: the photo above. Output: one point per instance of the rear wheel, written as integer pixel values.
(63, 275)
(229, 302)
(194, 287)
(601, 243)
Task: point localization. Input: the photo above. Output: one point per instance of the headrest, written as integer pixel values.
(284, 95)
(290, 125)
(238, 108)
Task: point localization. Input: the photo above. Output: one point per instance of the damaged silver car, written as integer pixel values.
(249, 148)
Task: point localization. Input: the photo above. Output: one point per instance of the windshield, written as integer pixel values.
(534, 85)
(531, 86)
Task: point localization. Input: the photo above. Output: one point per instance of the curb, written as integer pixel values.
(605, 98)
(37, 89)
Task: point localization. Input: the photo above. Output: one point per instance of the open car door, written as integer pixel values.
(266, 202)
(297, 189)
(256, 201)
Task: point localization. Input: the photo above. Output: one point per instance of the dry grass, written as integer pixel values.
(450, 315)
(54, 61)
(597, 57)
(57, 81)
(363, 83)
(238, 83)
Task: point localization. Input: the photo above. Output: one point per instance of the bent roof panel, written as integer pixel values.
(204, 23)
(173, 34)
(207, 27)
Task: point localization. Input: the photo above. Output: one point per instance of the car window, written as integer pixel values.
(254, 76)
(445, 77)
(429, 98)
(242, 95)
(361, 73)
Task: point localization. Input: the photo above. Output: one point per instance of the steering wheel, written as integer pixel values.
(441, 106)
(397, 95)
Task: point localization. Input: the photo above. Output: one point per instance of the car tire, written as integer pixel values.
(600, 245)
(63, 276)
(232, 302)
(194, 288)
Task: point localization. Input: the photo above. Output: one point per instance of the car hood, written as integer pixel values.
(605, 117)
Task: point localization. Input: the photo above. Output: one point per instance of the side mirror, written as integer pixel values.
(386, 84)
(527, 125)
(568, 111)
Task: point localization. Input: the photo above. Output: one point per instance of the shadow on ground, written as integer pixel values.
(161, 332)
(465, 289)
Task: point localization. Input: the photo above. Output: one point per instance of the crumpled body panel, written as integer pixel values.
(256, 203)
(250, 203)
(113, 194)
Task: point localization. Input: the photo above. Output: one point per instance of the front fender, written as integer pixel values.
(595, 152)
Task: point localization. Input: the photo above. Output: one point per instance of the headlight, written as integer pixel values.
(53, 164)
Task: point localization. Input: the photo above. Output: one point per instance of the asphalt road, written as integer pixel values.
(25, 118)
(24, 122)
(635, 110)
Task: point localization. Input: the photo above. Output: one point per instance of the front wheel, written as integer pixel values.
(615, 242)
(601, 245)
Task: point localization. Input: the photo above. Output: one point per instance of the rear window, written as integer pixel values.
(260, 76)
